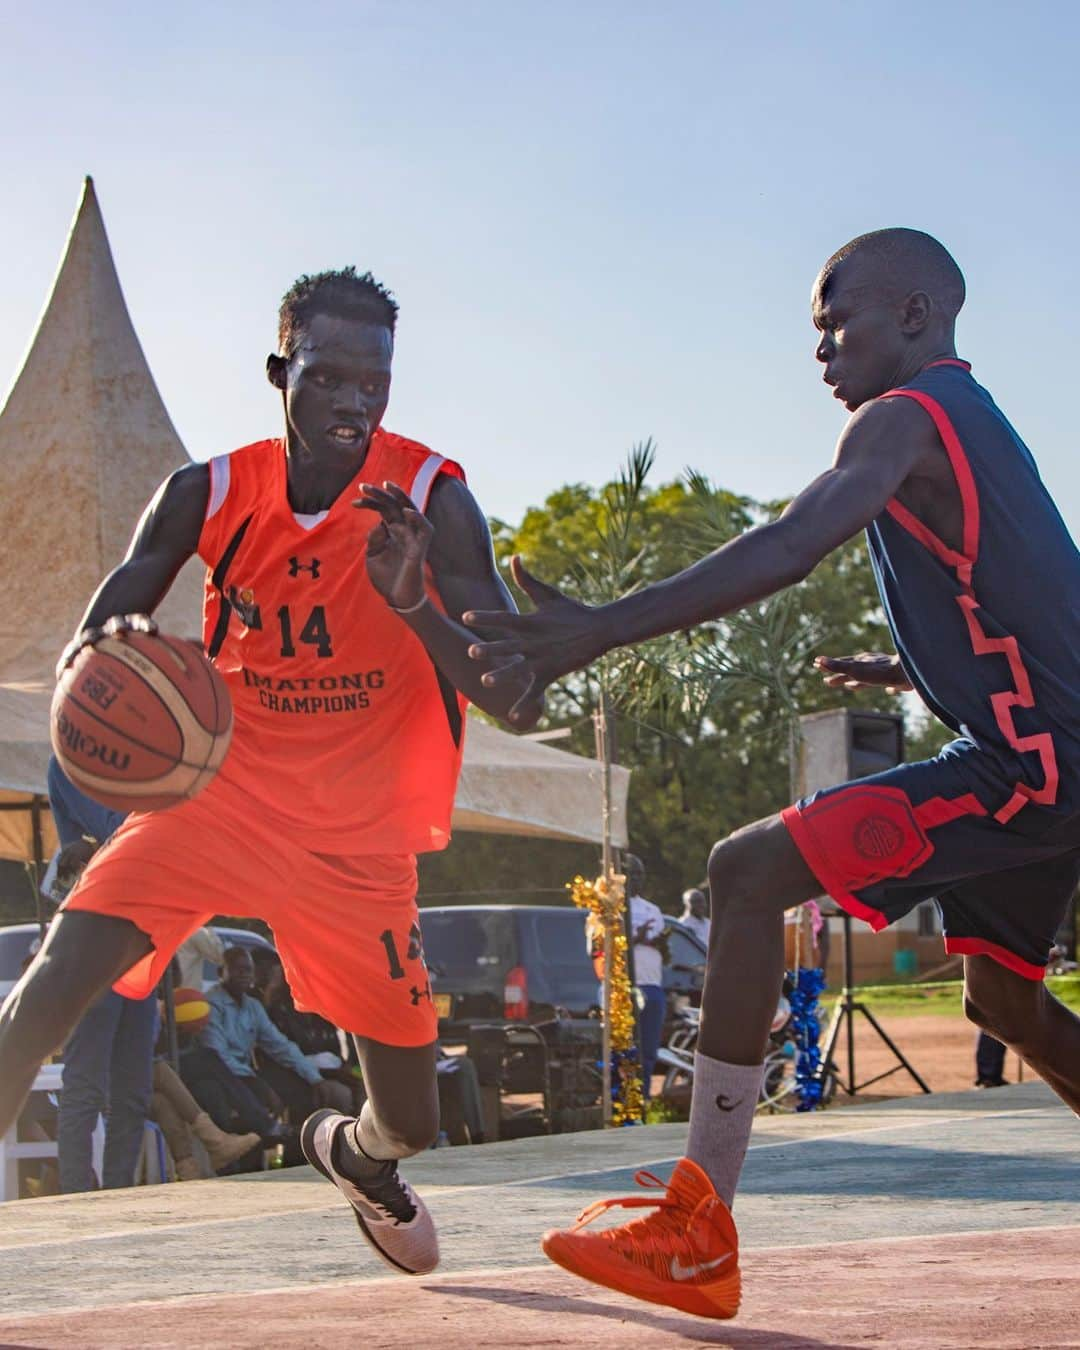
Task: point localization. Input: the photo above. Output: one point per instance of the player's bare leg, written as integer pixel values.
(1027, 1018)
(81, 956)
(685, 1254)
(360, 1156)
(401, 1114)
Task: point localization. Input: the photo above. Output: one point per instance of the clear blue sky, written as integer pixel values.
(602, 220)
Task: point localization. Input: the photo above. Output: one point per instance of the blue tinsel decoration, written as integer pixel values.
(805, 1030)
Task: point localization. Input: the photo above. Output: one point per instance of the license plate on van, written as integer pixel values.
(443, 1004)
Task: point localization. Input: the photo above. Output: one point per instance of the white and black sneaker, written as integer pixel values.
(391, 1215)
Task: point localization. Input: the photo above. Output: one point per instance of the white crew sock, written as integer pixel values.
(721, 1113)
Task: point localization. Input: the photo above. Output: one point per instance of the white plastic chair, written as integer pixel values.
(13, 1150)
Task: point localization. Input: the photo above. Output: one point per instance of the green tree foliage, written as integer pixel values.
(703, 718)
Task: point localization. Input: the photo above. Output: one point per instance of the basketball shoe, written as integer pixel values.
(685, 1255)
(390, 1214)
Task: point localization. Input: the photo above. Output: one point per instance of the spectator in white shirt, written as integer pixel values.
(646, 925)
(695, 915)
(202, 946)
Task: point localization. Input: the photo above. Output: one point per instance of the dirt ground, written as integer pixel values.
(940, 1049)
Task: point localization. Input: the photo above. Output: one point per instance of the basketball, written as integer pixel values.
(141, 722)
(191, 1010)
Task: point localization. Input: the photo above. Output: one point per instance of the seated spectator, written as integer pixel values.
(180, 1117)
(238, 1026)
(313, 1035)
(234, 1104)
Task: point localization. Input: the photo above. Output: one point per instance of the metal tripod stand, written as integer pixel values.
(844, 1016)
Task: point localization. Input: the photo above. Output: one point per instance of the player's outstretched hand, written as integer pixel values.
(559, 636)
(114, 627)
(397, 547)
(867, 670)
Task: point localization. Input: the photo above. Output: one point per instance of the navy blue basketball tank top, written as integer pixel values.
(989, 632)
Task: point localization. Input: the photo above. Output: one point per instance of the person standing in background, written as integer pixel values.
(109, 1057)
(989, 1061)
(645, 923)
(695, 915)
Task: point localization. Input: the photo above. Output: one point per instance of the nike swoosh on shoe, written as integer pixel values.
(681, 1272)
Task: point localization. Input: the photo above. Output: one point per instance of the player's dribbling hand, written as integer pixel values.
(867, 670)
(397, 547)
(114, 627)
(559, 636)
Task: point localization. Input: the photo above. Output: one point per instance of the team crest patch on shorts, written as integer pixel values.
(876, 837)
(868, 833)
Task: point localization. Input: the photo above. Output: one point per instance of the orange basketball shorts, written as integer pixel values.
(346, 928)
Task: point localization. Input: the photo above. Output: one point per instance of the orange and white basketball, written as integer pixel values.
(141, 722)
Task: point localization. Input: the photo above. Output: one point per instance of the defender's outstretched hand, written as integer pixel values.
(397, 547)
(559, 636)
(867, 670)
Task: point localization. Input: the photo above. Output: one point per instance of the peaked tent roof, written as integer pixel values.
(84, 442)
(514, 785)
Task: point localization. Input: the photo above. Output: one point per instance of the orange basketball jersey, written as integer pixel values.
(345, 732)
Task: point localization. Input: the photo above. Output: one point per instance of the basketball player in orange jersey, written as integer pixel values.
(342, 649)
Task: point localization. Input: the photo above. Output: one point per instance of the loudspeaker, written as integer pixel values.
(846, 743)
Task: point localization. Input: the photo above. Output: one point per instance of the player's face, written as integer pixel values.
(337, 385)
(861, 343)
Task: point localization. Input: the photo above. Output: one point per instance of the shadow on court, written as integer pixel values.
(691, 1329)
(935, 1224)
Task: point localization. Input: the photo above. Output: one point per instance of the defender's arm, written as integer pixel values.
(878, 449)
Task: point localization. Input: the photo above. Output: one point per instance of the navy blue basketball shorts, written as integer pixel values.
(882, 845)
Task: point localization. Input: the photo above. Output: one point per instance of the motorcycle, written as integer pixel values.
(779, 1088)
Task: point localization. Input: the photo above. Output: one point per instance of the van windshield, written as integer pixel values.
(467, 943)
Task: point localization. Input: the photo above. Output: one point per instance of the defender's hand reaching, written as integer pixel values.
(397, 547)
(559, 636)
(867, 670)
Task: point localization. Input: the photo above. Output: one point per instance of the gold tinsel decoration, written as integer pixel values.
(604, 901)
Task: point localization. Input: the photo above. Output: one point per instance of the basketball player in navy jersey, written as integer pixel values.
(979, 579)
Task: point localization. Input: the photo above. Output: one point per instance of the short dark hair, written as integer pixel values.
(908, 260)
(343, 294)
(231, 953)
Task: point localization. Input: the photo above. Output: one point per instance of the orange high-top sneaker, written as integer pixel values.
(685, 1255)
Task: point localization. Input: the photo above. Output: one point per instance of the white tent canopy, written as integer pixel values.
(84, 442)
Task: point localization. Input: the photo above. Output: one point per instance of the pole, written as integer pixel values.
(844, 1018)
(39, 862)
(847, 996)
(170, 1018)
(795, 782)
(604, 758)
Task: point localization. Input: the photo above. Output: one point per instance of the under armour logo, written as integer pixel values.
(418, 994)
(722, 1103)
(296, 567)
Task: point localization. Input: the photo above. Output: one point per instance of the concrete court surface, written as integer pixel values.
(943, 1221)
